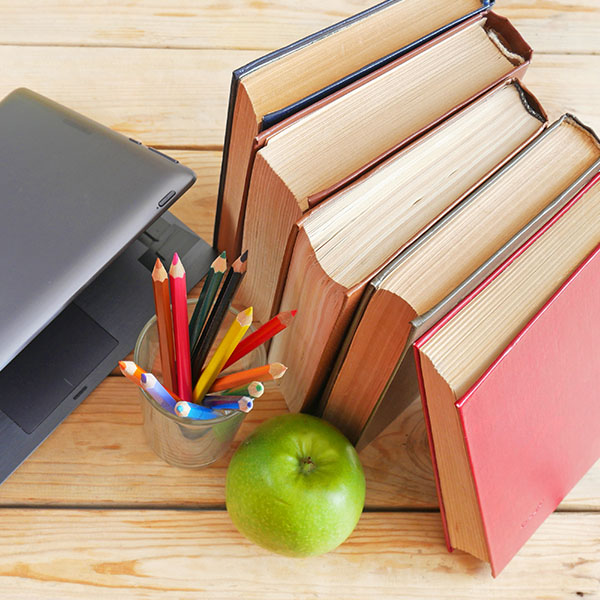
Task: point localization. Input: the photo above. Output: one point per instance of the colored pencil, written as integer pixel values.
(131, 371)
(195, 411)
(158, 392)
(254, 389)
(231, 339)
(264, 373)
(207, 296)
(164, 324)
(260, 336)
(180, 328)
(215, 319)
(242, 403)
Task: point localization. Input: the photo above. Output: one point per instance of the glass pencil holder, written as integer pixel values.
(180, 441)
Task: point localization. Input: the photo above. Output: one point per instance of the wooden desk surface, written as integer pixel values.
(93, 513)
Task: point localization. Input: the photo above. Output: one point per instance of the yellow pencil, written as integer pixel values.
(232, 338)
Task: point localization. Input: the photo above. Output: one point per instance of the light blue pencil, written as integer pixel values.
(195, 411)
(243, 403)
(156, 390)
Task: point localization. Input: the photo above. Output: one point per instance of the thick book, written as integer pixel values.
(287, 80)
(509, 382)
(326, 147)
(418, 288)
(342, 243)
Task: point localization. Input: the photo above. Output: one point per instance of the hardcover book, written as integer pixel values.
(270, 89)
(342, 243)
(418, 288)
(509, 382)
(327, 146)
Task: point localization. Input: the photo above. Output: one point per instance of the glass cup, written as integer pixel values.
(180, 441)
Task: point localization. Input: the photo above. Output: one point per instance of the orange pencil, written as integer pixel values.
(131, 371)
(260, 336)
(264, 373)
(181, 332)
(162, 303)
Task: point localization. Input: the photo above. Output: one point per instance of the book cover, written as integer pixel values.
(531, 422)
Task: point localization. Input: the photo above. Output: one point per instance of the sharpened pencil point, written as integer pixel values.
(277, 370)
(240, 265)
(159, 272)
(219, 265)
(176, 269)
(245, 317)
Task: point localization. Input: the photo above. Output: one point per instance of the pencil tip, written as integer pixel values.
(223, 254)
(245, 317)
(277, 370)
(144, 377)
(176, 270)
(244, 256)
(159, 273)
(122, 364)
(294, 312)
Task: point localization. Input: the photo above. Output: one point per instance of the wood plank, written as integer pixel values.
(161, 97)
(555, 26)
(567, 84)
(234, 24)
(98, 457)
(179, 97)
(64, 554)
(547, 25)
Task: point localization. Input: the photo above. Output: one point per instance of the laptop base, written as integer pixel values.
(47, 380)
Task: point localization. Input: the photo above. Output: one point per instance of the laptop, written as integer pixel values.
(82, 220)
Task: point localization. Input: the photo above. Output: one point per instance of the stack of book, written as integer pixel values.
(397, 184)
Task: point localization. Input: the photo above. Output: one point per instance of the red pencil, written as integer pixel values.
(260, 336)
(180, 329)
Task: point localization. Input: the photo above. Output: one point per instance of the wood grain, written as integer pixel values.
(555, 26)
(160, 71)
(548, 25)
(233, 24)
(69, 554)
(99, 457)
(178, 98)
(161, 97)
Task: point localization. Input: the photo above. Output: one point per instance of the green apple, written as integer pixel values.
(295, 486)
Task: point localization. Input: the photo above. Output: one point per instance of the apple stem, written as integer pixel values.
(306, 465)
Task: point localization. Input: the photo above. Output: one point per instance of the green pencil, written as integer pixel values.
(255, 389)
(207, 296)
(215, 318)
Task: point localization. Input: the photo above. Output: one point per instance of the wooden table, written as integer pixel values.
(93, 513)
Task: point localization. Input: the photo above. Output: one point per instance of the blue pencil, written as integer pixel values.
(195, 411)
(156, 390)
(243, 403)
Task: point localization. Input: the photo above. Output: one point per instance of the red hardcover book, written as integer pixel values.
(531, 422)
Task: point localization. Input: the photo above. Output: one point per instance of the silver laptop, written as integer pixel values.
(80, 229)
